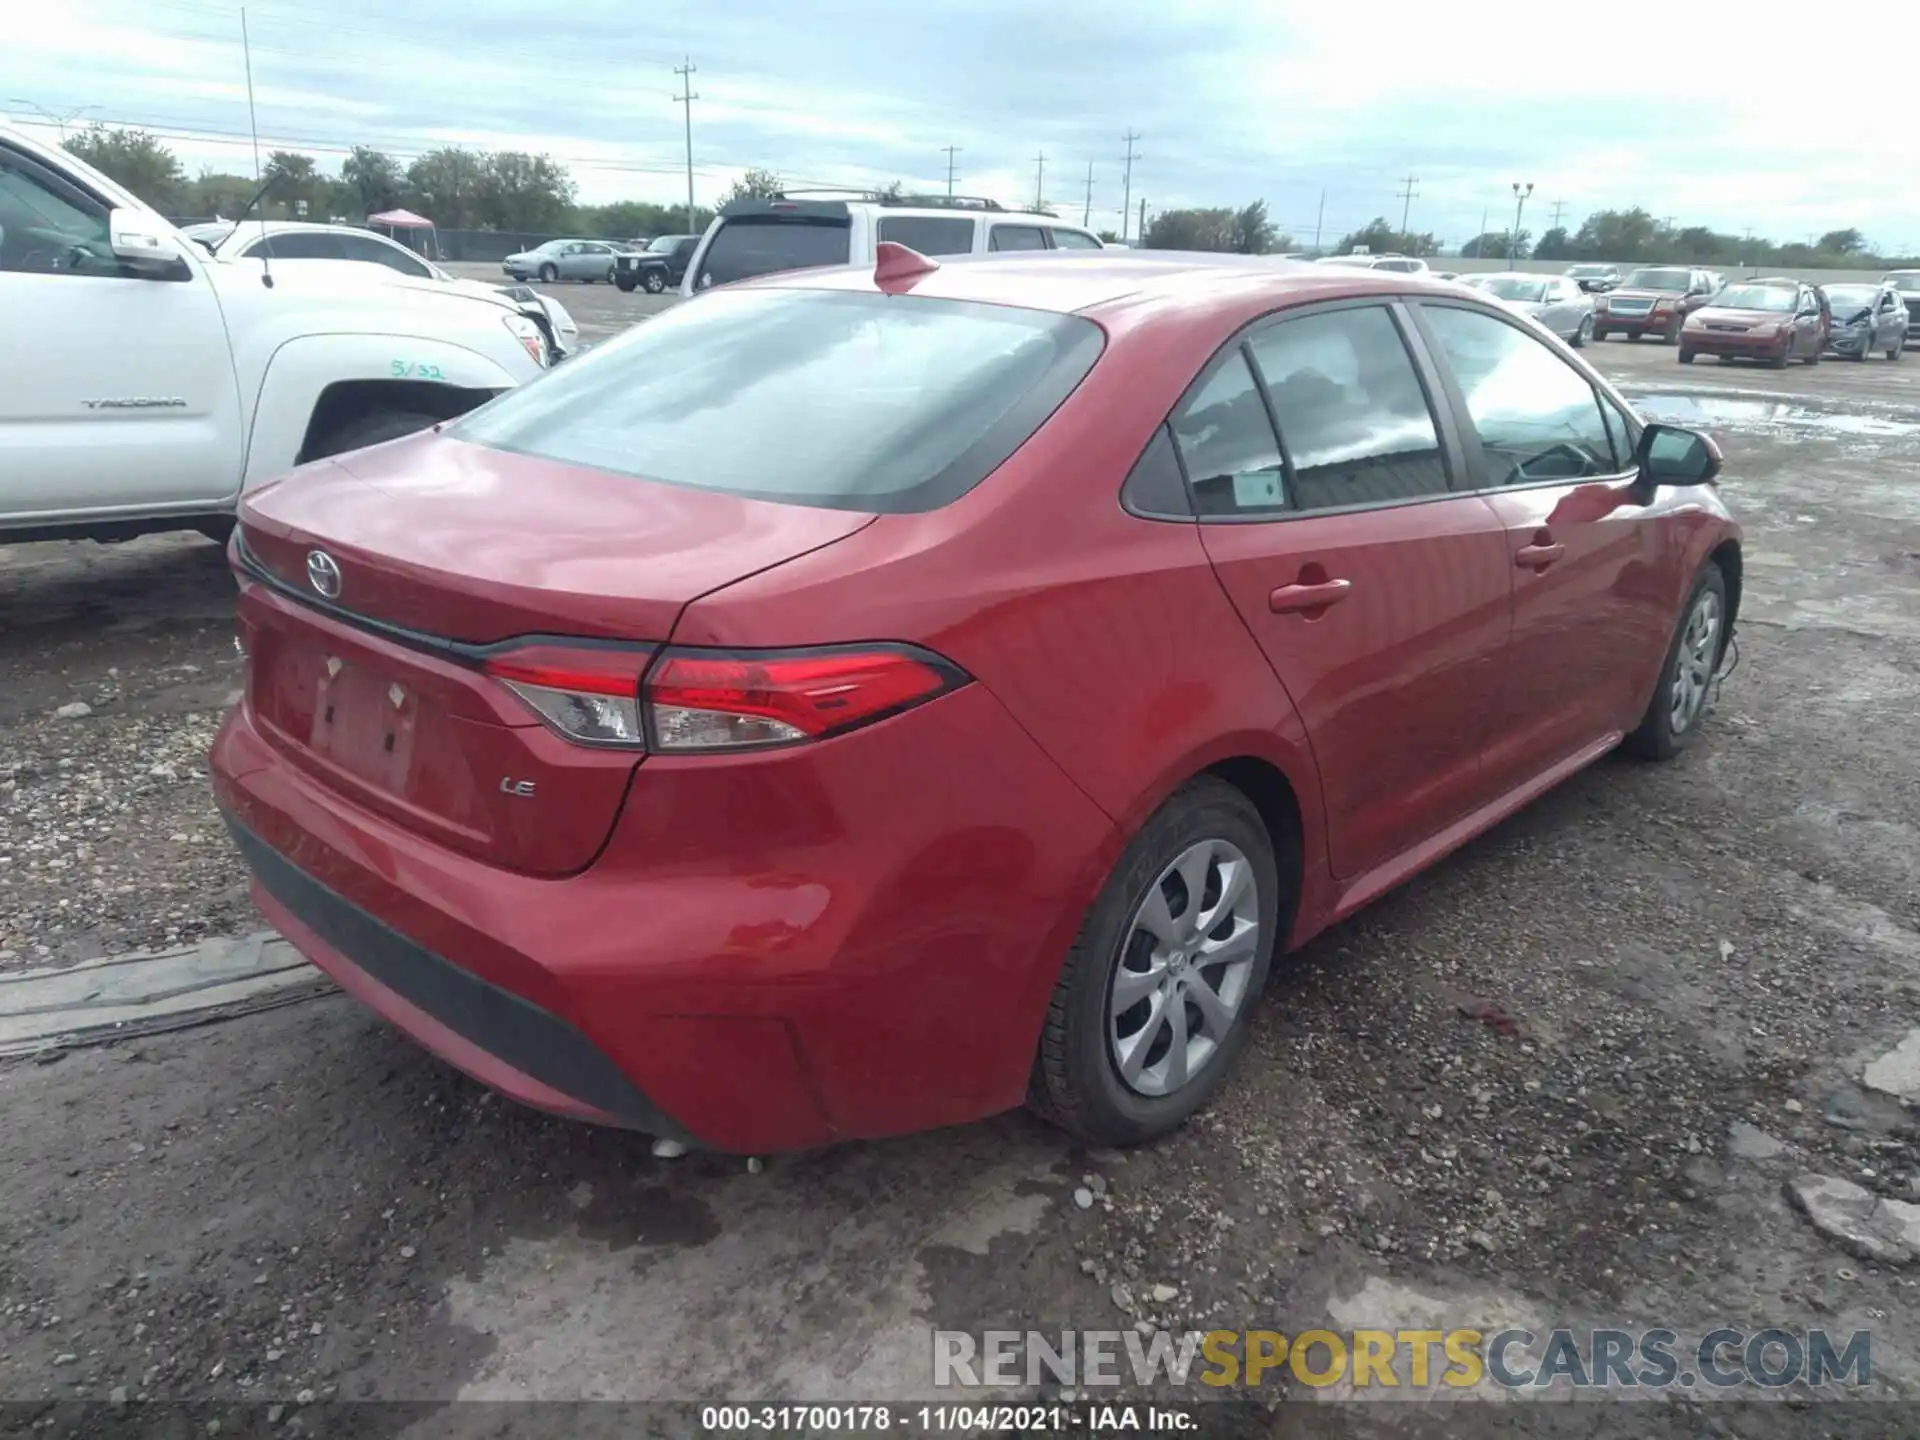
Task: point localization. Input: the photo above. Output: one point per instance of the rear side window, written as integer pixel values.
(1537, 417)
(930, 234)
(750, 245)
(1227, 444)
(1017, 237)
(1074, 240)
(845, 401)
(374, 252)
(298, 245)
(1351, 409)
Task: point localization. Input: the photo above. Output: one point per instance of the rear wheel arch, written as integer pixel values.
(1726, 555)
(1266, 785)
(348, 403)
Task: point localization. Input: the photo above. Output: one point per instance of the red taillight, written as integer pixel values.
(590, 694)
(727, 700)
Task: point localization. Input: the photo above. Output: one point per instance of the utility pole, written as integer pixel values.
(1558, 206)
(1039, 180)
(57, 118)
(1086, 215)
(1142, 235)
(1406, 202)
(1319, 219)
(951, 151)
(1126, 187)
(1519, 206)
(685, 99)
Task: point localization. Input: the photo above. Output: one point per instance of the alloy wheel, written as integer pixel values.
(1184, 968)
(1694, 662)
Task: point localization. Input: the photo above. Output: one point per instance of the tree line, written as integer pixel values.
(517, 192)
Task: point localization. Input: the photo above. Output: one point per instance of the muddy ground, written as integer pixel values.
(1697, 959)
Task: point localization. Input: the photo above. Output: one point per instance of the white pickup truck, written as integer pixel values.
(146, 383)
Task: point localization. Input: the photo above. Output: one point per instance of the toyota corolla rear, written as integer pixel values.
(749, 897)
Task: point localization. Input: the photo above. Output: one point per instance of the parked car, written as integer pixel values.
(1774, 321)
(1907, 282)
(1553, 300)
(1594, 279)
(660, 266)
(284, 240)
(1652, 300)
(582, 260)
(796, 231)
(923, 812)
(155, 381)
(1866, 318)
(1391, 261)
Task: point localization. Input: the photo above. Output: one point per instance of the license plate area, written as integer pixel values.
(365, 723)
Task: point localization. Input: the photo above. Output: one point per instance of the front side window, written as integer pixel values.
(845, 401)
(1228, 447)
(1017, 237)
(49, 227)
(1351, 410)
(930, 234)
(1537, 417)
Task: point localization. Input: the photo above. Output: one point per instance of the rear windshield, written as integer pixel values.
(1508, 287)
(750, 245)
(844, 401)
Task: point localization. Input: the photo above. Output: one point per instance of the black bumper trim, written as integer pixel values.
(515, 1031)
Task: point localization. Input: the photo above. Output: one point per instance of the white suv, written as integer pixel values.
(800, 229)
(1404, 264)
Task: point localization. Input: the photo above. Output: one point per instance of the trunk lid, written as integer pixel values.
(443, 549)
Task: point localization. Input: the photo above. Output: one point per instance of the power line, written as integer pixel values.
(687, 96)
(952, 150)
(1126, 188)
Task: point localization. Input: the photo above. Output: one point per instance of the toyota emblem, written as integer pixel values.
(323, 573)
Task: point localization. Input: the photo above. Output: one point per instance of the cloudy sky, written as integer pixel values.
(1699, 110)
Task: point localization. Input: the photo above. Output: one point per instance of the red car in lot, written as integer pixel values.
(1770, 320)
(863, 700)
(1652, 300)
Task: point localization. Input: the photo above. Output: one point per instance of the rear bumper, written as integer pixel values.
(772, 952)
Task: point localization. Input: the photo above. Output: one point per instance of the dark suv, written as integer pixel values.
(661, 266)
(1652, 300)
(1907, 282)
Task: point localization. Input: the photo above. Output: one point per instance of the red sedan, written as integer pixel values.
(859, 701)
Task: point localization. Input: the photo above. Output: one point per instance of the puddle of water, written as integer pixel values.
(1741, 412)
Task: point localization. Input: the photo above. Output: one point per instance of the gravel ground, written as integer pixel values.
(1563, 1078)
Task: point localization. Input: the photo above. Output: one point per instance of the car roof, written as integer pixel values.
(840, 205)
(1084, 281)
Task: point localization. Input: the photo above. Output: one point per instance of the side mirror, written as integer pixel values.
(139, 243)
(1670, 455)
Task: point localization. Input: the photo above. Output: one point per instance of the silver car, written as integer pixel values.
(1555, 301)
(584, 260)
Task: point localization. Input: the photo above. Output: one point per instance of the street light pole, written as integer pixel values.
(1519, 205)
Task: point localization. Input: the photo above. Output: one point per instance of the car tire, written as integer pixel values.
(626, 282)
(1779, 362)
(1898, 348)
(1633, 334)
(1582, 333)
(549, 273)
(1866, 348)
(1814, 358)
(1078, 1082)
(655, 282)
(1600, 332)
(370, 428)
(1671, 335)
(1679, 704)
(1686, 356)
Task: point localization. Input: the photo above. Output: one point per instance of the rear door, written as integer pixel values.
(1380, 597)
(929, 234)
(1552, 456)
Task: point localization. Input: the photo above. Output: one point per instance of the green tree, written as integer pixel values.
(1191, 230)
(443, 185)
(1553, 245)
(372, 180)
(1843, 242)
(215, 193)
(296, 182)
(755, 184)
(517, 191)
(134, 159)
(1251, 231)
(1381, 238)
(1616, 235)
(1108, 237)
